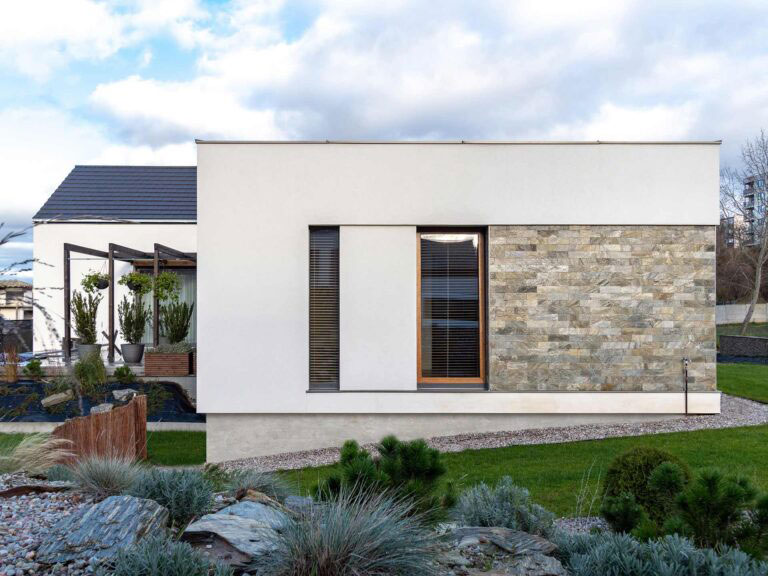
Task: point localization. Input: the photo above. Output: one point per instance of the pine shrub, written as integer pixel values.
(622, 512)
(357, 533)
(155, 556)
(506, 505)
(91, 375)
(631, 471)
(185, 493)
(407, 469)
(125, 375)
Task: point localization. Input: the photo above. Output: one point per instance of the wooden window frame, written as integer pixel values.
(475, 381)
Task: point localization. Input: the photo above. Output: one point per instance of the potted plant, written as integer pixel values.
(84, 309)
(137, 282)
(169, 360)
(133, 316)
(94, 281)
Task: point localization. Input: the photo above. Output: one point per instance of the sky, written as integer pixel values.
(136, 81)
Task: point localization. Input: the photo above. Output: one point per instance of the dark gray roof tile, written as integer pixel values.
(124, 193)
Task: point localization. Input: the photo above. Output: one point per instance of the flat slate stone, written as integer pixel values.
(55, 399)
(275, 519)
(511, 541)
(124, 394)
(250, 537)
(101, 530)
(101, 408)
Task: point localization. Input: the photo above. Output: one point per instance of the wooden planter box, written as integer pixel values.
(156, 364)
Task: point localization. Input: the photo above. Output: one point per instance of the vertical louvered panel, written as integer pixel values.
(324, 308)
(450, 306)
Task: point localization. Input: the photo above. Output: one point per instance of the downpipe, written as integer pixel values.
(685, 379)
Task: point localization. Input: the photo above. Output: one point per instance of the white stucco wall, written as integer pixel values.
(257, 201)
(49, 242)
(377, 308)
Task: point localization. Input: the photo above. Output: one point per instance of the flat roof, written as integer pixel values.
(474, 142)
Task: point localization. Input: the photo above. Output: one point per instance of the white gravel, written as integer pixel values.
(735, 412)
(24, 522)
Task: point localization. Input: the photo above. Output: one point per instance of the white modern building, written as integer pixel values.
(350, 290)
(98, 207)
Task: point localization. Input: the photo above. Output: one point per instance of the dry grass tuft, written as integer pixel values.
(35, 454)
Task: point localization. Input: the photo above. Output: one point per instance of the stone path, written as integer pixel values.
(734, 412)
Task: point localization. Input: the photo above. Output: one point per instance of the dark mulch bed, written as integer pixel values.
(728, 359)
(166, 402)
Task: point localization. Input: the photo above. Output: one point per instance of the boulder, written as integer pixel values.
(102, 529)
(256, 511)
(101, 408)
(232, 539)
(124, 394)
(59, 398)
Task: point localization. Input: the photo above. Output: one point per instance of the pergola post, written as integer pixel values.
(111, 300)
(155, 301)
(67, 341)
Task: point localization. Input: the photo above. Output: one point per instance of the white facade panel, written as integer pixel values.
(377, 309)
(257, 201)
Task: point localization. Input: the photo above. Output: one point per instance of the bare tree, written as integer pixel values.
(753, 210)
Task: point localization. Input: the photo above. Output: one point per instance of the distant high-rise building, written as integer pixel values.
(755, 208)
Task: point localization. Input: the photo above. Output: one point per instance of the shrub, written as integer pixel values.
(665, 483)
(185, 493)
(631, 471)
(59, 473)
(35, 454)
(91, 374)
(715, 506)
(105, 476)
(409, 469)
(357, 533)
(154, 556)
(34, 369)
(505, 505)
(175, 319)
(267, 482)
(125, 375)
(623, 555)
(133, 317)
(622, 512)
(84, 309)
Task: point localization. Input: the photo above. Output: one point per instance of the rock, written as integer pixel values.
(102, 529)
(245, 539)
(101, 408)
(124, 394)
(55, 399)
(535, 564)
(511, 541)
(299, 504)
(272, 517)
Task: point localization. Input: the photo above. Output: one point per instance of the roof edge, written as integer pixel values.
(475, 142)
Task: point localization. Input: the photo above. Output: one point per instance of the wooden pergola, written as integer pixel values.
(161, 257)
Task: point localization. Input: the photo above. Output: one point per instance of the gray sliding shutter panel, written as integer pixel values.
(324, 308)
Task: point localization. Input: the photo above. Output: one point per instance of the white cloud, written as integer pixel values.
(614, 122)
(37, 36)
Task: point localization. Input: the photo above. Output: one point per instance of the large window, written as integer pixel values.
(451, 311)
(324, 308)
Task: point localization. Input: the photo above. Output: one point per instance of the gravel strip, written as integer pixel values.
(735, 412)
(24, 522)
(583, 524)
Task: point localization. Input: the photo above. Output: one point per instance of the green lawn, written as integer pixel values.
(163, 448)
(745, 380)
(553, 472)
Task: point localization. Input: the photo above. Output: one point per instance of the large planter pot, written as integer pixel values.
(132, 353)
(158, 364)
(84, 350)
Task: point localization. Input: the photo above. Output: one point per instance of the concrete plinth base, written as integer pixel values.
(235, 436)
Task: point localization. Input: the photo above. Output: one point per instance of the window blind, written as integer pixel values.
(324, 307)
(450, 305)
